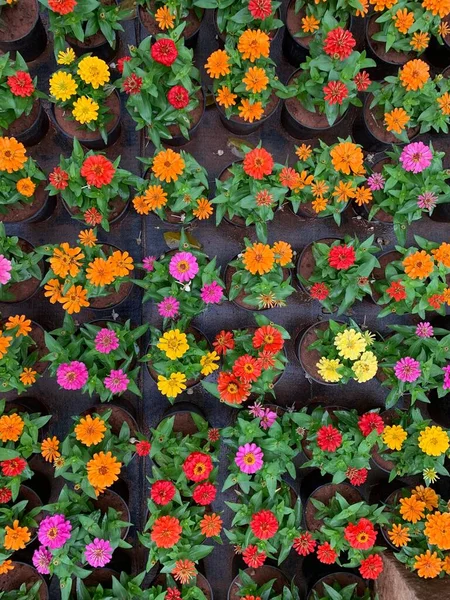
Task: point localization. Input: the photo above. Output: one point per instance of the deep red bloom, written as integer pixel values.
(268, 338)
(360, 535)
(97, 170)
(224, 341)
(178, 97)
(172, 593)
(164, 51)
(204, 494)
(341, 257)
(328, 438)
(339, 43)
(21, 84)
(247, 368)
(143, 448)
(335, 92)
(319, 291)
(264, 524)
(371, 567)
(213, 434)
(121, 61)
(59, 178)
(362, 81)
(370, 421)
(92, 217)
(396, 291)
(132, 84)
(162, 492)
(260, 9)
(5, 495)
(197, 466)
(326, 554)
(253, 557)
(356, 476)
(62, 7)
(304, 544)
(13, 467)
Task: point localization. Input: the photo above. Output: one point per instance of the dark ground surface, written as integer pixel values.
(142, 236)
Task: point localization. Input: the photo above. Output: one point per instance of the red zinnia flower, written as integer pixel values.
(258, 163)
(288, 177)
(97, 170)
(21, 84)
(266, 360)
(13, 467)
(268, 338)
(224, 341)
(121, 62)
(326, 554)
(204, 494)
(335, 92)
(62, 7)
(178, 97)
(304, 544)
(260, 9)
(143, 448)
(370, 421)
(213, 435)
(435, 301)
(264, 524)
(5, 495)
(172, 593)
(247, 368)
(92, 217)
(339, 43)
(397, 291)
(197, 466)
(164, 51)
(362, 81)
(328, 438)
(231, 389)
(361, 535)
(132, 84)
(319, 291)
(371, 566)
(166, 531)
(342, 257)
(59, 178)
(162, 492)
(253, 557)
(356, 476)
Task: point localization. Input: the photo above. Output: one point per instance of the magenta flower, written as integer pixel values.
(106, 341)
(98, 553)
(41, 560)
(183, 266)
(407, 369)
(5, 269)
(268, 418)
(424, 330)
(54, 531)
(376, 182)
(169, 307)
(416, 157)
(446, 384)
(116, 381)
(72, 376)
(256, 410)
(211, 293)
(249, 458)
(427, 201)
(149, 263)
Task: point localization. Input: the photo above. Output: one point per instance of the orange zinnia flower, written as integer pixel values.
(319, 204)
(428, 565)
(122, 263)
(166, 531)
(427, 495)
(204, 209)
(444, 103)
(363, 195)
(21, 322)
(66, 260)
(303, 152)
(75, 299)
(53, 290)
(403, 20)
(6, 566)
(418, 265)
(347, 158)
(399, 535)
(411, 509)
(16, 537)
(250, 111)
(87, 238)
(437, 530)
(282, 253)
(49, 449)
(344, 191)
(255, 80)
(155, 197)
(12, 155)
(100, 272)
(258, 259)
(90, 431)
(218, 64)
(419, 41)
(310, 24)
(184, 571)
(103, 469)
(168, 165)
(414, 74)
(26, 187)
(11, 427)
(396, 120)
(211, 525)
(225, 97)
(5, 342)
(28, 376)
(253, 44)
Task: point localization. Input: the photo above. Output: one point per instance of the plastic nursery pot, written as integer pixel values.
(171, 217)
(33, 501)
(30, 129)
(309, 358)
(381, 216)
(111, 499)
(183, 421)
(383, 464)
(37, 334)
(439, 54)
(260, 576)
(325, 493)
(23, 573)
(190, 32)
(118, 210)
(196, 116)
(306, 263)
(96, 44)
(238, 126)
(22, 30)
(343, 579)
(24, 290)
(221, 35)
(113, 299)
(388, 61)
(119, 415)
(379, 273)
(439, 409)
(200, 581)
(90, 139)
(40, 209)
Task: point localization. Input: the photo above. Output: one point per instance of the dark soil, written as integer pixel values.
(25, 289)
(313, 120)
(117, 206)
(74, 129)
(21, 211)
(18, 20)
(23, 573)
(23, 123)
(375, 122)
(306, 263)
(294, 25)
(118, 416)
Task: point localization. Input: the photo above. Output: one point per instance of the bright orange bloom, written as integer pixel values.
(49, 449)
(66, 260)
(154, 197)
(419, 41)
(122, 263)
(6, 566)
(255, 80)
(310, 24)
(103, 469)
(204, 209)
(428, 565)
(363, 195)
(303, 152)
(168, 165)
(347, 158)
(53, 290)
(399, 535)
(28, 376)
(437, 7)
(253, 44)
(418, 265)
(100, 272)
(75, 299)
(396, 120)
(258, 259)
(26, 187)
(444, 103)
(5, 342)
(166, 532)
(283, 253)
(225, 97)
(21, 322)
(414, 74)
(344, 191)
(16, 537)
(437, 530)
(403, 20)
(250, 111)
(90, 431)
(319, 204)
(11, 427)
(211, 525)
(184, 571)
(411, 509)
(87, 238)
(427, 495)
(218, 64)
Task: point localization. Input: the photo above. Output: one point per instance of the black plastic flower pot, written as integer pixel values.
(293, 49)
(388, 62)
(441, 213)
(37, 130)
(438, 55)
(180, 140)
(240, 127)
(303, 132)
(45, 207)
(23, 573)
(343, 578)
(101, 49)
(192, 28)
(32, 44)
(115, 216)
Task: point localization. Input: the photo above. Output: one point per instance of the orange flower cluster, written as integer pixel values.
(259, 259)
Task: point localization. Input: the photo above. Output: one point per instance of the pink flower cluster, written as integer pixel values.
(5, 270)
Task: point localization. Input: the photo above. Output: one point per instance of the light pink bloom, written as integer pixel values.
(42, 559)
(427, 201)
(376, 182)
(98, 553)
(183, 266)
(256, 410)
(407, 369)
(72, 376)
(116, 381)
(149, 263)
(169, 307)
(416, 157)
(5, 269)
(249, 458)
(424, 330)
(211, 293)
(54, 531)
(268, 418)
(106, 341)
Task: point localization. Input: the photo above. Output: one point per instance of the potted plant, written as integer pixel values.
(94, 275)
(175, 294)
(18, 524)
(21, 29)
(37, 591)
(178, 193)
(249, 192)
(91, 184)
(232, 18)
(266, 583)
(259, 277)
(335, 591)
(342, 272)
(163, 88)
(21, 115)
(20, 272)
(253, 360)
(85, 103)
(245, 85)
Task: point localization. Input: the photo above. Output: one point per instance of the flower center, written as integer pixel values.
(199, 469)
(103, 470)
(268, 339)
(232, 388)
(250, 459)
(52, 533)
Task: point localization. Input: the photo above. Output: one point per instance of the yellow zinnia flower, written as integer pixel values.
(208, 363)
(93, 70)
(328, 369)
(394, 436)
(366, 367)
(85, 110)
(173, 385)
(433, 441)
(66, 57)
(173, 343)
(350, 344)
(62, 85)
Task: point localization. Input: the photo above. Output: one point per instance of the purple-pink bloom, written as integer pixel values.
(183, 266)
(407, 369)
(149, 263)
(249, 458)
(256, 410)
(116, 381)
(54, 531)
(446, 384)
(5, 269)
(376, 182)
(106, 341)
(268, 418)
(72, 376)
(424, 329)
(427, 201)
(416, 157)
(211, 293)
(42, 559)
(169, 307)
(98, 553)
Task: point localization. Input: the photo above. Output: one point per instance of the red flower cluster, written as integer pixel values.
(197, 466)
(178, 97)
(369, 422)
(164, 51)
(435, 301)
(335, 92)
(21, 84)
(59, 178)
(341, 257)
(260, 9)
(371, 567)
(356, 476)
(253, 557)
(62, 7)
(258, 163)
(162, 492)
(13, 467)
(166, 531)
(143, 448)
(224, 341)
(304, 544)
(121, 62)
(5, 495)
(132, 84)
(396, 291)
(264, 524)
(328, 438)
(97, 170)
(204, 494)
(339, 43)
(326, 554)
(361, 535)
(319, 291)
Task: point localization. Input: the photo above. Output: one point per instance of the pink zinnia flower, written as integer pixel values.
(98, 553)
(211, 293)
(376, 182)
(256, 410)
(106, 341)
(427, 201)
(5, 269)
(54, 531)
(249, 458)
(424, 330)
(72, 376)
(446, 384)
(268, 418)
(183, 266)
(416, 157)
(407, 369)
(169, 307)
(116, 381)
(41, 560)
(149, 263)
